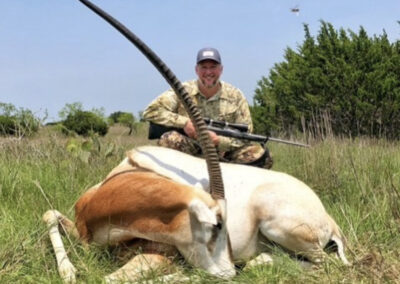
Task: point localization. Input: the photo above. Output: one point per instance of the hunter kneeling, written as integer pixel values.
(216, 100)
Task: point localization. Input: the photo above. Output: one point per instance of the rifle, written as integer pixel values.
(222, 128)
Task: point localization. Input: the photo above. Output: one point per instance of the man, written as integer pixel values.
(216, 100)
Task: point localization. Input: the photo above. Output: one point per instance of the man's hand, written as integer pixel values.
(191, 132)
(214, 137)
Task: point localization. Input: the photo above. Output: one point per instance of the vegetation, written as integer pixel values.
(125, 118)
(350, 79)
(74, 120)
(358, 181)
(17, 122)
(84, 123)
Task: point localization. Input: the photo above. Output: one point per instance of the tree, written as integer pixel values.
(114, 116)
(125, 118)
(128, 120)
(70, 109)
(348, 78)
(85, 122)
(20, 122)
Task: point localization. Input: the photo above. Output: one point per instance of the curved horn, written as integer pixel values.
(214, 170)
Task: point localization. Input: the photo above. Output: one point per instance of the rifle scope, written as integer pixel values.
(222, 124)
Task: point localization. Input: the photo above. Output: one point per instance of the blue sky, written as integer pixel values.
(54, 52)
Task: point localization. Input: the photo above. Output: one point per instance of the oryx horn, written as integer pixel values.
(214, 170)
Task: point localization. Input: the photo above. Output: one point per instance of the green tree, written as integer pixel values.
(114, 116)
(85, 123)
(20, 122)
(128, 120)
(125, 118)
(348, 78)
(70, 109)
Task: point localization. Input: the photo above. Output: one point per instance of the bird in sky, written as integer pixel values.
(295, 10)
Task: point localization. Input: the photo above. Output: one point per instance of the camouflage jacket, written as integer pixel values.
(229, 104)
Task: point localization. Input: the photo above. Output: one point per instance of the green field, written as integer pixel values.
(358, 181)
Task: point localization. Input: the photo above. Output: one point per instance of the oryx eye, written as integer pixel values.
(216, 231)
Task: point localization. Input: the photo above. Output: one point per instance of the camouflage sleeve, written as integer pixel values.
(242, 116)
(164, 110)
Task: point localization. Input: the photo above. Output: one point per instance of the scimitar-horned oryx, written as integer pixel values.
(262, 205)
(135, 204)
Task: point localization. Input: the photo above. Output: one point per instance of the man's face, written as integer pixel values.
(208, 72)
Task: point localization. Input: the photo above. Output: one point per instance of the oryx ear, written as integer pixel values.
(204, 214)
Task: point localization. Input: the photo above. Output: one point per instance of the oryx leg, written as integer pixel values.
(65, 268)
(154, 257)
(53, 218)
(261, 259)
(298, 238)
(138, 267)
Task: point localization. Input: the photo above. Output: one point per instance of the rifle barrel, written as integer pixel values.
(227, 132)
(252, 137)
(288, 142)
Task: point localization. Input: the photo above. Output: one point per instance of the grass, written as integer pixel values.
(358, 182)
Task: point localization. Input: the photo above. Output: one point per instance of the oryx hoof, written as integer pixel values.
(262, 259)
(67, 271)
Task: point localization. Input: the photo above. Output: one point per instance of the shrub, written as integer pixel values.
(15, 121)
(84, 123)
(114, 116)
(7, 125)
(125, 118)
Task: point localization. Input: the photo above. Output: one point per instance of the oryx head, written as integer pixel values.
(210, 246)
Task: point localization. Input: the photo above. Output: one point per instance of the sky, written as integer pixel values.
(57, 52)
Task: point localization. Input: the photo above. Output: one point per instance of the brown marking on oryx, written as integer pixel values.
(124, 202)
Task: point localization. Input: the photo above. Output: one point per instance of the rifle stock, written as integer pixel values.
(156, 130)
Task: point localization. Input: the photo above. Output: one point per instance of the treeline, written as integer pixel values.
(344, 82)
(74, 120)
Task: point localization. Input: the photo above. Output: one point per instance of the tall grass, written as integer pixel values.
(358, 181)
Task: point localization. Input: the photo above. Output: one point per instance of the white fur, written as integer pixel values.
(202, 212)
(258, 200)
